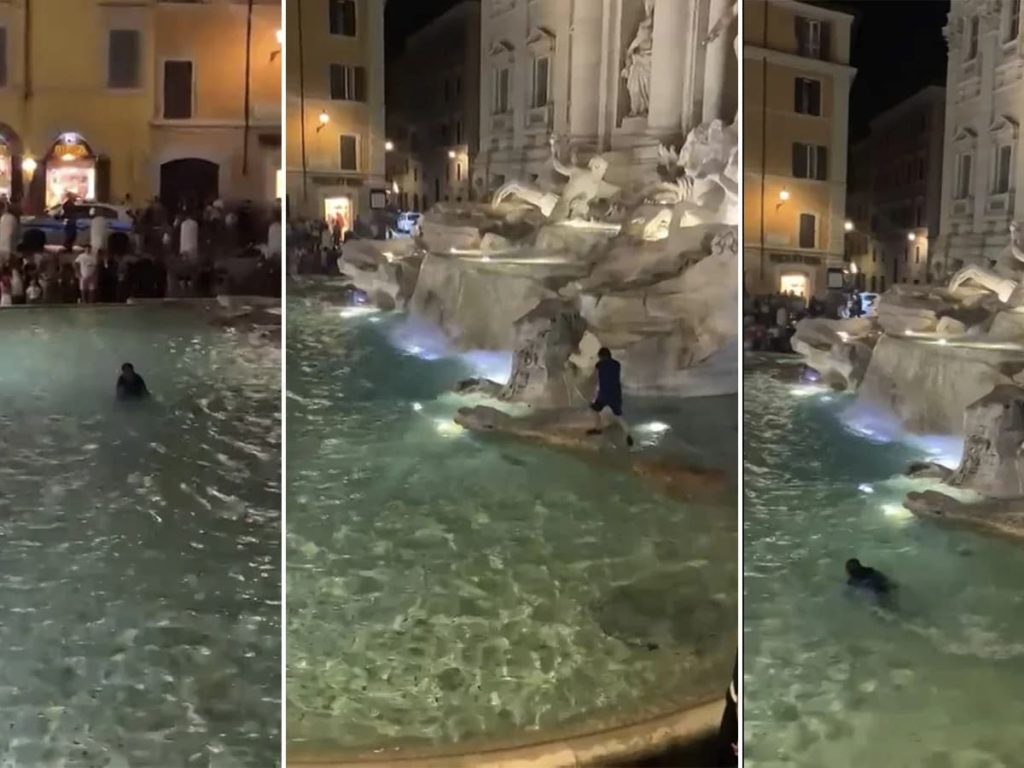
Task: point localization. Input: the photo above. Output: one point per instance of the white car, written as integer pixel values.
(407, 222)
(51, 223)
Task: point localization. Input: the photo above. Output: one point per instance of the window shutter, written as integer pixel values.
(333, 17)
(177, 90)
(360, 78)
(822, 163)
(797, 92)
(3, 57)
(123, 58)
(826, 41)
(799, 160)
(348, 12)
(103, 178)
(801, 35)
(807, 239)
(815, 96)
(337, 81)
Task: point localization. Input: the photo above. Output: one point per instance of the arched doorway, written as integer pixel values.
(189, 181)
(70, 169)
(10, 163)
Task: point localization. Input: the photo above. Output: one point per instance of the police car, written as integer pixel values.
(50, 225)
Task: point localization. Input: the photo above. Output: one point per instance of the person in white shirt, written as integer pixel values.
(99, 228)
(87, 264)
(17, 285)
(8, 233)
(189, 237)
(34, 292)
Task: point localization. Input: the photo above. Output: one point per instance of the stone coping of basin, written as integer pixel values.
(631, 741)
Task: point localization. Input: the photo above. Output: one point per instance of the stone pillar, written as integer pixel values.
(668, 65)
(716, 64)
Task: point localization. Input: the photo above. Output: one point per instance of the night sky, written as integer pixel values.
(403, 17)
(898, 49)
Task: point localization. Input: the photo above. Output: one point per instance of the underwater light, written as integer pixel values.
(897, 511)
(657, 427)
(357, 311)
(865, 488)
(804, 391)
(417, 407)
(447, 428)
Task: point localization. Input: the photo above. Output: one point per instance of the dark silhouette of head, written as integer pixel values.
(604, 353)
(853, 566)
(128, 370)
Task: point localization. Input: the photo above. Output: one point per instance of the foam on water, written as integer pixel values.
(444, 587)
(832, 680)
(138, 545)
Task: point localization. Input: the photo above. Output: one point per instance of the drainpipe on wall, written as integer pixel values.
(248, 89)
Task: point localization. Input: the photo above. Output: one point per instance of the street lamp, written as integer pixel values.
(783, 197)
(324, 120)
(848, 226)
(280, 42)
(389, 146)
(451, 154)
(911, 236)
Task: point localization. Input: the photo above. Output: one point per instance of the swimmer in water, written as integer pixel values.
(131, 386)
(862, 577)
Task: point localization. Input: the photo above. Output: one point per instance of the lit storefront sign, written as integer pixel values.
(338, 212)
(70, 170)
(6, 170)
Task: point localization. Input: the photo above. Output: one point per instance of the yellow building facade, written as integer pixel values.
(796, 80)
(82, 88)
(335, 109)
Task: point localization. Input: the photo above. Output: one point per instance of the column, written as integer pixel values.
(668, 64)
(716, 63)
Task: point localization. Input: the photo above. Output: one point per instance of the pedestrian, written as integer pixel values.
(87, 264)
(609, 394)
(69, 213)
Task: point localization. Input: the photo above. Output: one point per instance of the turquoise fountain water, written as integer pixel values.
(444, 588)
(139, 546)
(830, 679)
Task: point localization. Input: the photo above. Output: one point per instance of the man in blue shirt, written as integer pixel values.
(609, 393)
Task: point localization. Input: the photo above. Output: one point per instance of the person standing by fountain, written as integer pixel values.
(609, 393)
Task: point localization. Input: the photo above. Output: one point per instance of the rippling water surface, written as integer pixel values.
(443, 587)
(831, 680)
(139, 546)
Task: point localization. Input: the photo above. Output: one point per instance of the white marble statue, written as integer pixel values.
(1004, 279)
(583, 186)
(707, 163)
(636, 70)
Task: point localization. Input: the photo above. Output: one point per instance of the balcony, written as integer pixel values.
(963, 208)
(540, 119)
(1000, 205)
(501, 123)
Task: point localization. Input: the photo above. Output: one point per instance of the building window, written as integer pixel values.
(349, 153)
(348, 83)
(415, 174)
(3, 57)
(501, 86)
(342, 17)
(178, 90)
(1012, 21)
(807, 97)
(808, 227)
(541, 80)
(813, 38)
(123, 58)
(1004, 167)
(964, 166)
(917, 254)
(810, 161)
(458, 171)
(458, 131)
(972, 38)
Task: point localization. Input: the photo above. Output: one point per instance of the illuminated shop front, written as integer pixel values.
(338, 212)
(70, 170)
(6, 170)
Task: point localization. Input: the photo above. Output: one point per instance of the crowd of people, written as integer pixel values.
(769, 322)
(162, 255)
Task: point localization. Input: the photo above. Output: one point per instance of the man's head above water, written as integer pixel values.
(853, 566)
(604, 353)
(128, 370)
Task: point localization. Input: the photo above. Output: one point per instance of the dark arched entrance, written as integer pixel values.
(189, 181)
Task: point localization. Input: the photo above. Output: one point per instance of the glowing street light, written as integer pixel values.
(784, 195)
(280, 37)
(911, 237)
(389, 145)
(848, 226)
(451, 154)
(29, 165)
(324, 120)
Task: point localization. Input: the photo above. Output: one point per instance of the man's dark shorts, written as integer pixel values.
(599, 405)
